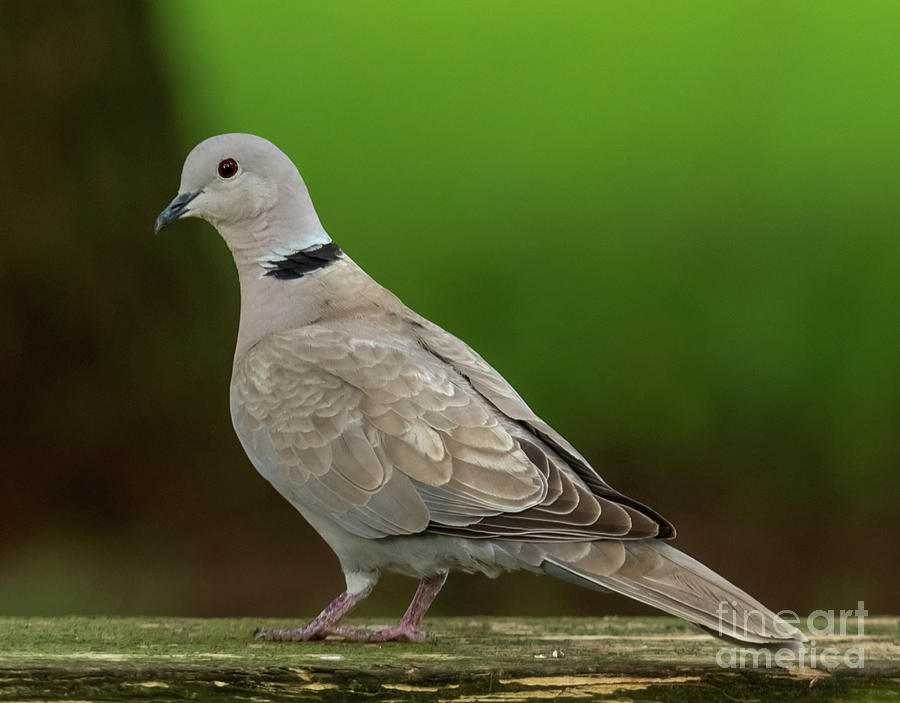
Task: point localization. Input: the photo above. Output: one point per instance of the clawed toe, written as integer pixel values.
(408, 636)
(400, 633)
(264, 633)
(298, 635)
(394, 633)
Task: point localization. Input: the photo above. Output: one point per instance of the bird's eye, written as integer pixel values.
(227, 168)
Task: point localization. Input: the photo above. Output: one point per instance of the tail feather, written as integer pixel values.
(659, 575)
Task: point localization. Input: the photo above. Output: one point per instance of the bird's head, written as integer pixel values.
(251, 192)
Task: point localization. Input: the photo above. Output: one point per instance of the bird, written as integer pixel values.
(399, 444)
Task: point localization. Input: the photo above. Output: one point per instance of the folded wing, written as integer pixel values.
(390, 438)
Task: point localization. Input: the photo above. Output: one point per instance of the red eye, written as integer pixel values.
(227, 168)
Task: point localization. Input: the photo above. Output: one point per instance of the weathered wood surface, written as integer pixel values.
(470, 659)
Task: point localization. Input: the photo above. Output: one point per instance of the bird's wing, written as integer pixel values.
(497, 391)
(385, 438)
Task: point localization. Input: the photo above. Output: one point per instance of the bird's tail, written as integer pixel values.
(654, 573)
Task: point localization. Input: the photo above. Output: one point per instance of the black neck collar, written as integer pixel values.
(300, 263)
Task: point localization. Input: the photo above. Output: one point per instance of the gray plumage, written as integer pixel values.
(399, 444)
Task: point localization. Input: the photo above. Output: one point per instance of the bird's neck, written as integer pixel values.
(269, 235)
(290, 271)
(311, 287)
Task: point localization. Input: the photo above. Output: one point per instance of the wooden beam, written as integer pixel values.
(469, 659)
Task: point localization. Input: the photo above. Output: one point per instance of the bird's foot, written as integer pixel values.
(401, 632)
(300, 634)
(395, 633)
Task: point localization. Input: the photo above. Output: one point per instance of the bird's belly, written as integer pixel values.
(418, 555)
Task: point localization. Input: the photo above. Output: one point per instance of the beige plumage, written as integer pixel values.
(401, 446)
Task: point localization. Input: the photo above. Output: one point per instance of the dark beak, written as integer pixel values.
(175, 209)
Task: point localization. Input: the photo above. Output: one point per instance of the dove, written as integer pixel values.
(400, 445)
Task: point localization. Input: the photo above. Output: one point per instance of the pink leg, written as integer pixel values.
(322, 625)
(407, 630)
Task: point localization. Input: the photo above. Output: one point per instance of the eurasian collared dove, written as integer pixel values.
(398, 443)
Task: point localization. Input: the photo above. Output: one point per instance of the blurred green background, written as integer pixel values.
(674, 226)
